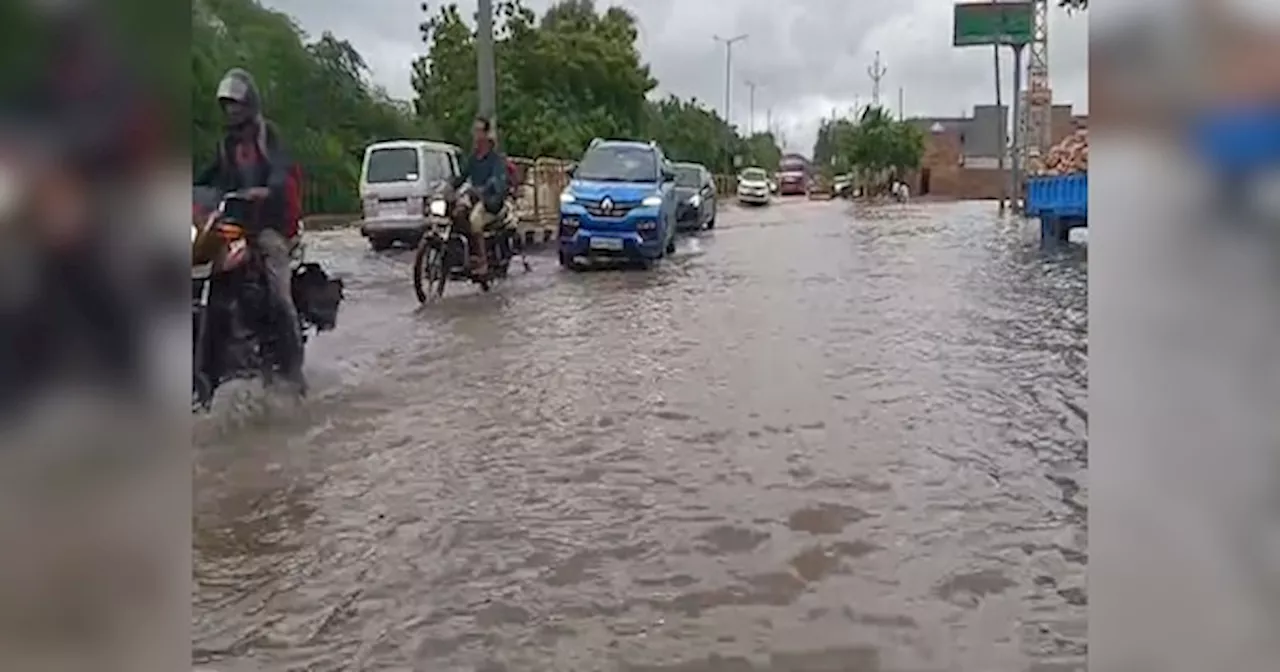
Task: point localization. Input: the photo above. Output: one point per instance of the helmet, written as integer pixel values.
(238, 86)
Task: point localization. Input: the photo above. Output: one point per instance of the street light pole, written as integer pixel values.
(751, 114)
(728, 69)
(487, 83)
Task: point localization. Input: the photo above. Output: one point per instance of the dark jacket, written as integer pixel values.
(271, 171)
(488, 174)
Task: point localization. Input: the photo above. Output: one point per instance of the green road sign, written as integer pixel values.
(987, 23)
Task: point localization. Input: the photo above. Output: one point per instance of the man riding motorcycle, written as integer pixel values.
(486, 169)
(251, 159)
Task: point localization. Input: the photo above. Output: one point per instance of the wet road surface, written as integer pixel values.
(819, 438)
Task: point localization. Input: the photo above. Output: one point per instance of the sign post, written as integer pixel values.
(999, 24)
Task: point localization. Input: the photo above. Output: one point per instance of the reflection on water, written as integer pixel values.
(814, 439)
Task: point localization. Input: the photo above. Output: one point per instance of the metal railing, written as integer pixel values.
(538, 196)
(538, 202)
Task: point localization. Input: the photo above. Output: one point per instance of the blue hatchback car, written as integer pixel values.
(620, 205)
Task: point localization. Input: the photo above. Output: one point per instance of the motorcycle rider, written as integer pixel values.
(251, 159)
(486, 169)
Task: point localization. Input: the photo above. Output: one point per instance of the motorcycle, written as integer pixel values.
(235, 335)
(444, 253)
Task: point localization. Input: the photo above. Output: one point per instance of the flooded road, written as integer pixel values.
(816, 439)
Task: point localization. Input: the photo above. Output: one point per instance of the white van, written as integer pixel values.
(397, 180)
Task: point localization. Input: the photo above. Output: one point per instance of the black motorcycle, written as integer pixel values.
(235, 330)
(445, 251)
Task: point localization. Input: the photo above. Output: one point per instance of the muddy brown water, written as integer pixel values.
(815, 439)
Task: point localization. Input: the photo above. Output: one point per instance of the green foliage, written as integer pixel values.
(762, 150)
(874, 144)
(317, 93)
(826, 151)
(571, 75)
(563, 79)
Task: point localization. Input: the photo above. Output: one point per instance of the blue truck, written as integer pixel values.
(1060, 202)
(1240, 145)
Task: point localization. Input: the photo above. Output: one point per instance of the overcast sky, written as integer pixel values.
(806, 56)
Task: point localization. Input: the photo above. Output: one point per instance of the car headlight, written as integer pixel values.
(695, 200)
(437, 208)
(566, 197)
(652, 202)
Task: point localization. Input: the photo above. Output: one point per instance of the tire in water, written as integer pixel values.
(428, 273)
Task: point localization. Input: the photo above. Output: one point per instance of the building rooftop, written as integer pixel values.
(980, 133)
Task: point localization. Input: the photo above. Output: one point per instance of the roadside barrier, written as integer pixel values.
(537, 199)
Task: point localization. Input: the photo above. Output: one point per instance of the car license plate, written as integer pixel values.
(606, 244)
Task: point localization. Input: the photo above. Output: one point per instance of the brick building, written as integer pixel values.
(962, 154)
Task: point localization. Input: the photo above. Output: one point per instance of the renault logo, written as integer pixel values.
(607, 205)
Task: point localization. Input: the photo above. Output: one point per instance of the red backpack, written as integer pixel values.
(293, 199)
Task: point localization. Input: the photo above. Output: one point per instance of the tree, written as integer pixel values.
(762, 150)
(564, 78)
(689, 131)
(572, 76)
(827, 156)
(875, 145)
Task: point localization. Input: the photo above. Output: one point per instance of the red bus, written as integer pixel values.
(793, 175)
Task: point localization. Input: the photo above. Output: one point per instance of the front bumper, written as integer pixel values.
(688, 215)
(753, 196)
(628, 237)
(580, 237)
(610, 245)
(394, 226)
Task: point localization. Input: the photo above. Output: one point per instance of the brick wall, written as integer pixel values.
(947, 178)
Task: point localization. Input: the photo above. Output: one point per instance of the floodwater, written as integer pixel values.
(818, 438)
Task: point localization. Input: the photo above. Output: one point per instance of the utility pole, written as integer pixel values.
(487, 84)
(902, 115)
(877, 73)
(1000, 143)
(751, 115)
(1019, 131)
(728, 69)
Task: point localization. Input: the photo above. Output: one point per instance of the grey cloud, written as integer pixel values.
(807, 56)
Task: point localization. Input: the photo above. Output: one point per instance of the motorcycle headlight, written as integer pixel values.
(437, 208)
(695, 200)
(194, 234)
